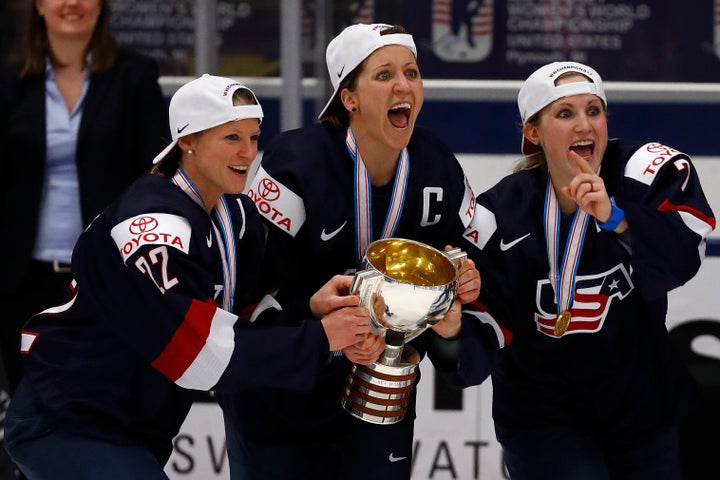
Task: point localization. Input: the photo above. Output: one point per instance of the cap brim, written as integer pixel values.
(528, 148)
(165, 152)
(327, 105)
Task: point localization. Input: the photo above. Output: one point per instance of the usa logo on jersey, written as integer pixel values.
(593, 296)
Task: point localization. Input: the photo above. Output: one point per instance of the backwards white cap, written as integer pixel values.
(353, 45)
(204, 103)
(539, 91)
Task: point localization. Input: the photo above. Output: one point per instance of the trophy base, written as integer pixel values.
(379, 393)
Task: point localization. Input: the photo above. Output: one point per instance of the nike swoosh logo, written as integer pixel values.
(180, 130)
(707, 346)
(394, 459)
(507, 246)
(339, 74)
(327, 236)
(209, 240)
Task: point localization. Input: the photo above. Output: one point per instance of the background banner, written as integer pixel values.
(630, 40)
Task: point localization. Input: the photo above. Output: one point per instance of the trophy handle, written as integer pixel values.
(367, 284)
(456, 256)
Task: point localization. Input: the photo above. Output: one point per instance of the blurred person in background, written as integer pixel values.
(8, 470)
(84, 119)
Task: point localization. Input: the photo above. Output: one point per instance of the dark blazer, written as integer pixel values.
(124, 125)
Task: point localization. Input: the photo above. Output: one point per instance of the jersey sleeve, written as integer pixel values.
(483, 333)
(159, 296)
(152, 293)
(469, 359)
(668, 215)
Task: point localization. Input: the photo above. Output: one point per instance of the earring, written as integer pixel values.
(539, 143)
(354, 109)
(189, 152)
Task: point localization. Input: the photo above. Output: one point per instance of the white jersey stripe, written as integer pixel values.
(208, 366)
(487, 319)
(268, 302)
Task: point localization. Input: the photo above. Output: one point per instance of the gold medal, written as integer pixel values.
(562, 323)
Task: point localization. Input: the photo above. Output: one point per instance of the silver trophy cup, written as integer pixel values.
(407, 286)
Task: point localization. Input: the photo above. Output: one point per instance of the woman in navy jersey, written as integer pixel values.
(578, 249)
(156, 279)
(365, 172)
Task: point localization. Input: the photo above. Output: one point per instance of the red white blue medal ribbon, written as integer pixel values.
(562, 277)
(223, 230)
(363, 197)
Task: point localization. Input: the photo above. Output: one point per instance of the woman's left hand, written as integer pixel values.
(449, 326)
(468, 281)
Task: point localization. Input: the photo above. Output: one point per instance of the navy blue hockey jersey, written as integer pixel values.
(613, 368)
(144, 324)
(305, 190)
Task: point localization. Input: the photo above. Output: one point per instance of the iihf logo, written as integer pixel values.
(462, 33)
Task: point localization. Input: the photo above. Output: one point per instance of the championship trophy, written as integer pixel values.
(407, 286)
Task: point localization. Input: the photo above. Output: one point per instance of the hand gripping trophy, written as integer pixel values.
(407, 286)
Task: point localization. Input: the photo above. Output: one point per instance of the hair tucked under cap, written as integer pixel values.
(353, 45)
(204, 103)
(540, 90)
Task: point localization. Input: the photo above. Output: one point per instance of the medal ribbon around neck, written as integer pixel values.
(224, 235)
(563, 281)
(363, 197)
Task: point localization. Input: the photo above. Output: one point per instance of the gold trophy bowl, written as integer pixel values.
(407, 286)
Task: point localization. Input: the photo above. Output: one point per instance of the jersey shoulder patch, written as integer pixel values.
(276, 202)
(647, 161)
(481, 228)
(151, 229)
(467, 208)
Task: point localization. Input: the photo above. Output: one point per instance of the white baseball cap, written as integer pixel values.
(353, 45)
(204, 103)
(539, 91)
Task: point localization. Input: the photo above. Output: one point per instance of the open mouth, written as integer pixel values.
(239, 168)
(584, 149)
(399, 115)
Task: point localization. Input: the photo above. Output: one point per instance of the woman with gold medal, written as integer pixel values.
(365, 172)
(577, 249)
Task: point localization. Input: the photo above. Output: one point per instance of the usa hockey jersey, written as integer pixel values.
(304, 189)
(613, 369)
(144, 324)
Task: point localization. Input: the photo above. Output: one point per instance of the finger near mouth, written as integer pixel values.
(585, 151)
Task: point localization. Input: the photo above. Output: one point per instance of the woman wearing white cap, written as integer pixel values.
(578, 249)
(157, 276)
(365, 172)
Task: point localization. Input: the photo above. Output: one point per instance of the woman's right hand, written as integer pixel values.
(346, 326)
(333, 295)
(365, 351)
